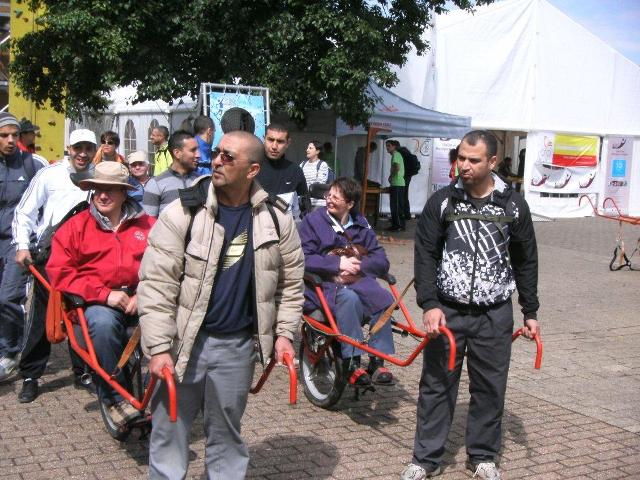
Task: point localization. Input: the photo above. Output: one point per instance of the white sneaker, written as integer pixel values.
(416, 472)
(7, 366)
(484, 470)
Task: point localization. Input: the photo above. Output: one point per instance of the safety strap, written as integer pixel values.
(128, 350)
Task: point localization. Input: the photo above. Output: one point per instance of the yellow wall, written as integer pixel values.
(50, 143)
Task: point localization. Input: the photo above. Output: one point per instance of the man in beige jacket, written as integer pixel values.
(223, 266)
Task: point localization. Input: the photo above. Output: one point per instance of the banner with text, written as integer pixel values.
(619, 157)
(440, 165)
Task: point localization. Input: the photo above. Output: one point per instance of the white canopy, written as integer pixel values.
(406, 119)
(524, 65)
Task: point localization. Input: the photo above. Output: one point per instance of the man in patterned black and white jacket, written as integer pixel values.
(475, 245)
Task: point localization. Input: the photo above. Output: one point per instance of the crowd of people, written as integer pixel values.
(208, 254)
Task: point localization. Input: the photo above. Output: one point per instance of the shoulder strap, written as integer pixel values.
(274, 217)
(275, 201)
(318, 167)
(498, 219)
(194, 199)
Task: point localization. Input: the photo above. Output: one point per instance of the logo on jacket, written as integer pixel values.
(139, 235)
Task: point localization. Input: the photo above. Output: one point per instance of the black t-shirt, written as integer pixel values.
(282, 176)
(231, 303)
(478, 203)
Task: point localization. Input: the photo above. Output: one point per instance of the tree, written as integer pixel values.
(312, 54)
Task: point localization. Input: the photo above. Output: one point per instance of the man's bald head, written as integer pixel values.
(252, 146)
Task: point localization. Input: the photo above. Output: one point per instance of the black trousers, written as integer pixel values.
(37, 348)
(406, 207)
(486, 338)
(396, 205)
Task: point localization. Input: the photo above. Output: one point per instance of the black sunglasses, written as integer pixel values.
(224, 156)
(108, 142)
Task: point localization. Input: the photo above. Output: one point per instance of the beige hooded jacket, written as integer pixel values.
(175, 285)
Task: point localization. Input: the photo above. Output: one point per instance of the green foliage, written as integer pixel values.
(312, 54)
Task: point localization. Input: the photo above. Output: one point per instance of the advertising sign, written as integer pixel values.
(237, 108)
(440, 165)
(564, 163)
(619, 156)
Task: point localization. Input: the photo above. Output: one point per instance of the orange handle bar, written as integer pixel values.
(288, 360)
(452, 346)
(171, 390)
(293, 378)
(539, 346)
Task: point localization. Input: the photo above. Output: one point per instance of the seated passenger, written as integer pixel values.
(328, 237)
(96, 254)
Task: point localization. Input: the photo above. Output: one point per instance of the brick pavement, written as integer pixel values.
(578, 417)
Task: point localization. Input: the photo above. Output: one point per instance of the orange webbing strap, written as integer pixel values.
(54, 323)
(128, 350)
(384, 318)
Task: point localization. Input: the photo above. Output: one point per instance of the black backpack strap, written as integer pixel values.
(497, 219)
(194, 199)
(272, 212)
(272, 202)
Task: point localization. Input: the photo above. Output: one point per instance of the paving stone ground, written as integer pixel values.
(578, 417)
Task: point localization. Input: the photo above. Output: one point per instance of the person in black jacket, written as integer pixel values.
(475, 244)
(16, 170)
(279, 176)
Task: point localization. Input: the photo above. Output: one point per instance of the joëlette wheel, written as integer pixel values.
(321, 369)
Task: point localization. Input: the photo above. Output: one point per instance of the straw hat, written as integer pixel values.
(107, 173)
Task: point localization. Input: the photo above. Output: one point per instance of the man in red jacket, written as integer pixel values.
(96, 255)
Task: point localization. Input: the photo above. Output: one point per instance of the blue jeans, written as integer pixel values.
(349, 315)
(108, 331)
(13, 282)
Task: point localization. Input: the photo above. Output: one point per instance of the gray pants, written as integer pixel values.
(217, 380)
(486, 338)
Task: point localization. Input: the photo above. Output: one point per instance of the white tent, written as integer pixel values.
(402, 118)
(524, 66)
(399, 118)
(134, 121)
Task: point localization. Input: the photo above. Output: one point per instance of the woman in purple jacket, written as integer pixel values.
(349, 282)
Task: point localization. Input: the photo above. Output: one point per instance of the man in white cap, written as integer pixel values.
(17, 168)
(96, 255)
(138, 174)
(49, 197)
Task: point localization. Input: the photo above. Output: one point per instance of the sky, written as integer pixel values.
(617, 22)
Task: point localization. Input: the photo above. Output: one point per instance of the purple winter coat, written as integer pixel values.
(318, 238)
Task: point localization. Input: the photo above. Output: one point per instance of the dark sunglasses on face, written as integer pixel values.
(108, 142)
(224, 156)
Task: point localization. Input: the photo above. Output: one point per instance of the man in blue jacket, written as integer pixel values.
(17, 168)
(204, 129)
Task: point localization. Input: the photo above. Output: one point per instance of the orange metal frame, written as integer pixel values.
(333, 331)
(88, 355)
(619, 217)
(410, 327)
